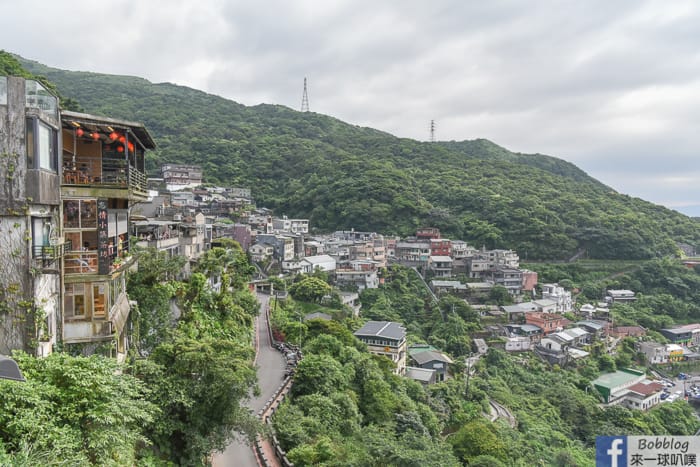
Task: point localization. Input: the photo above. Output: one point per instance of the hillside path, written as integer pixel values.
(271, 367)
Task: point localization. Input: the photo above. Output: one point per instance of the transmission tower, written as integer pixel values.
(432, 131)
(305, 99)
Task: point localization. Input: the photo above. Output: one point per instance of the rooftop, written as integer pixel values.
(618, 378)
(430, 355)
(386, 329)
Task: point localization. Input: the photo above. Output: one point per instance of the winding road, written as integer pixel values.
(271, 367)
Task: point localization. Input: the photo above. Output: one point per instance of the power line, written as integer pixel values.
(305, 99)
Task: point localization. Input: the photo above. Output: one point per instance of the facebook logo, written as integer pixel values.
(611, 451)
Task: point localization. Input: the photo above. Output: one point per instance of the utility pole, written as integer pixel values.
(305, 99)
(432, 131)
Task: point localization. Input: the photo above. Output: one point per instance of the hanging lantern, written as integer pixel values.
(95, 136)
(79, 132)
(122, 139)
(130, 146)
(113, 135)
(120, 148)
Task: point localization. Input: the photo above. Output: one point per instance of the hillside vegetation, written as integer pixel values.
(344, 176)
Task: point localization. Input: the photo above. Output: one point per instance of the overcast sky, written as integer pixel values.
(612, 86)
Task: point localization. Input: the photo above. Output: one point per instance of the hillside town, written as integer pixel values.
(89, 203)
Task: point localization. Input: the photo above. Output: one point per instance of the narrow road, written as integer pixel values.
(271, 367)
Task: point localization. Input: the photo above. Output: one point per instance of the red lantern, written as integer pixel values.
(130, 146)
(113, 135)
(122, 139)
(120, 148)
(95, 136)
(79, 132)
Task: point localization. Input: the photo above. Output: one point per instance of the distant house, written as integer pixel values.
(620, 296)
(629, 388)
(432, 360)
(654, 352)
(518, 344)
(422, 375)
(559, 295)
(453, 287)
(533, 333)
(516, 313)
(546, 305)
(385, 338)
(687, 334)
(597, 329)
(358, 273)
(440, 266)
(323, 262)
(261, 251)
(680, 336)
(548, 322)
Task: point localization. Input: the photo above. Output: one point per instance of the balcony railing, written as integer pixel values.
(81, 262)
(47, 254)
(106, 172)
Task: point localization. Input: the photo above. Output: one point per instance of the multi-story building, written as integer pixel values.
(440, 247)
(31, 245)
(427, 233)
(361, 274)
(413, 253)
(558, 294)
(510, 278)
(548, 322)
(441, 266)
(385, 338)
(103, 177)
(180, 176)
(283, 245)
(295, 226)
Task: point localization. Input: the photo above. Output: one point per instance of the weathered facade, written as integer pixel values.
(30, 240)
(103, 176)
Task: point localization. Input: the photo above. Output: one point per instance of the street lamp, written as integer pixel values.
(9, 369)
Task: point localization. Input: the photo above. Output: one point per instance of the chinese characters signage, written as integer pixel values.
(104, 251)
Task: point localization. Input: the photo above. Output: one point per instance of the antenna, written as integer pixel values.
(432, 131)
(305, 99)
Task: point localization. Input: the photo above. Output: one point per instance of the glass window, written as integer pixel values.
(80, 214)
(99, 299)
(44, 147)
(42, 144)
(30, 142)
(74, 301)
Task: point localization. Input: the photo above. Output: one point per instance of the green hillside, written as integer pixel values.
(344, 176)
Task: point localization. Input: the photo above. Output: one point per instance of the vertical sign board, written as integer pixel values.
(103, 253)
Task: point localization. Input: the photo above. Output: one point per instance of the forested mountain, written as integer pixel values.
(343, 176)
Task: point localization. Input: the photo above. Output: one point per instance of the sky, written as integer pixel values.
(611, 86)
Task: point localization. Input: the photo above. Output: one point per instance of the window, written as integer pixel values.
(74, 301)
(79, 214)
(42, 145)
(99, 299)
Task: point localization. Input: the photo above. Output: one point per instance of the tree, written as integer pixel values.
(500, 296)
(310, 289)
(73, 410)
(199, 384)
(477, 438)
